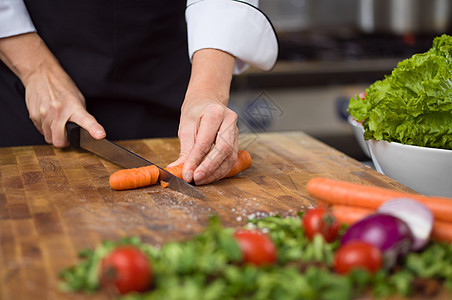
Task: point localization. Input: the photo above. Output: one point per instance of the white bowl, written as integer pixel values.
(358, 131)
(425, 170)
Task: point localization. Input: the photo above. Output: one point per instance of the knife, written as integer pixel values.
(80, 138)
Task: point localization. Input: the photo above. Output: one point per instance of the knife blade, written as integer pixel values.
(80, 138)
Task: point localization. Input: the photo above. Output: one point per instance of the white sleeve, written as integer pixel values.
(14, 18)
(233, 26)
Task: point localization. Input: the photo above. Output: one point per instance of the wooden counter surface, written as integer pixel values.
(56, 202)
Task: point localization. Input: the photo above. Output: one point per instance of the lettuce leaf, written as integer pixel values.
(412, 105)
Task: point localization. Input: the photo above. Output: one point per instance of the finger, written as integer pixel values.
(181, 160)
(46, 131)
(35, 116)
(219, 173)
(87, 121)
(59, 138)
(186, 139)
(223, 154)
(82, 118)
(58, 128)
(204, 139)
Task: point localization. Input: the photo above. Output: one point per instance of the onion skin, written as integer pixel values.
(388, 233)
(415, 214)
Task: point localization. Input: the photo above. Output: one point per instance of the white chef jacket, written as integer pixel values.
(233, 26)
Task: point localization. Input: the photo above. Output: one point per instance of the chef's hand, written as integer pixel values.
(52, 98)
(208, 130)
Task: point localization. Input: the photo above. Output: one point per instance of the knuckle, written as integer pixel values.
(233, 157)
(204, 146)
(34, 117)
(183, 132)
(42, 111)
(233, 115)
(220, 173)
(57, 105)
(216, 112)
(224, 148)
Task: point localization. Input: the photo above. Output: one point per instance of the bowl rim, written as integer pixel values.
(421, 148)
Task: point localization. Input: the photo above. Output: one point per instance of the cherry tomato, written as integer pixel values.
(126, 268)
(319, 220)
(257, 248)
(357, 255)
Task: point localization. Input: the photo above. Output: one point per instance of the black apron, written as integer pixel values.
(129, 59)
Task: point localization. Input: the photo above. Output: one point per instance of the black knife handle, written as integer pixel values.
(73, 134)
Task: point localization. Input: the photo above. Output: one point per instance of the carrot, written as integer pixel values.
(243, 162)
(349, 215)
(442, 231)
(344, 214)
(346, 193)
(134, 178)
(139, 177)
(176, 170)
(164, 184)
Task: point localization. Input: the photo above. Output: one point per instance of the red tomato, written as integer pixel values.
(357, 255)
(126, 268)
(319, 220)
(257, 248)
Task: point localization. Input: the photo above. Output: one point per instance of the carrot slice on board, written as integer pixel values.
(134, 178)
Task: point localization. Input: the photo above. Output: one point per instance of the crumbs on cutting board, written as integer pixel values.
(245, 208)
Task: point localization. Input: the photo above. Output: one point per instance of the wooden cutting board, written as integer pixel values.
(56, 202)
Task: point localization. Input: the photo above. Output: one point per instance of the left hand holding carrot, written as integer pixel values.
(139, 177)
(209, 150)
(208, 130)
(243, 162)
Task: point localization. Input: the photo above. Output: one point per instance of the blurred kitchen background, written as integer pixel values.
(331, 50)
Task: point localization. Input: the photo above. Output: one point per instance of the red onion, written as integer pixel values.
(415, 214)
(388, 233)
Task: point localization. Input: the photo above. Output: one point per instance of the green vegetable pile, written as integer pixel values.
(413, 105)
(208, 267)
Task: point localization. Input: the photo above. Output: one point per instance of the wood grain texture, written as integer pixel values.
(56, 202)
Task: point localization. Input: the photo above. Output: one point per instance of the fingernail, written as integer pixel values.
(188, 176)
(198, 176)
(99, 133)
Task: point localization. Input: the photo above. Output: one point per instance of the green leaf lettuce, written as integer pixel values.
(412, 105)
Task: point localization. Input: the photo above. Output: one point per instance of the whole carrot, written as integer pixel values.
(345, 193)
(243, 162)
(134, 178)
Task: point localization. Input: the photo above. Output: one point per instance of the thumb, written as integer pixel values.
(88, 122)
